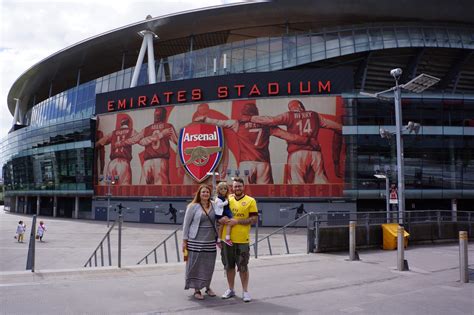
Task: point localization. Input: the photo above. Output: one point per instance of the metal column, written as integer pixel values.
(76, 208)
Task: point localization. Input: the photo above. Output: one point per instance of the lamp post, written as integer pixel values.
(416, 85)
(387, 200)
(109, 180)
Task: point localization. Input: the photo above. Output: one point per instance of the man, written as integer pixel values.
(173, 213)
(254, 139)
(305, 162)
(245, 212)
(299, 211)
(156, 140)
(120, 151)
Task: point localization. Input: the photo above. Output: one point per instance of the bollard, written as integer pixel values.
(255, 244)
(30, 260)
(402, 264)
(463, 262)
(352, 241)
(120, 239)
(311, 239)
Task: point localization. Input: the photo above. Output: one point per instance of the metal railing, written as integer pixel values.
(284, 228)
(101, 248)
(342, 218)
(163, 243)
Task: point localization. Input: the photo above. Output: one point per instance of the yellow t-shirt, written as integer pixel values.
(241, 209)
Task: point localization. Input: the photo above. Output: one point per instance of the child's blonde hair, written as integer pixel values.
(222, 184)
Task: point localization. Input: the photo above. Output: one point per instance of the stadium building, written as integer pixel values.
(274, 92)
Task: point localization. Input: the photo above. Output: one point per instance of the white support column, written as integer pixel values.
(138, 66)
(454, 209)
(25, 205)
(76, 208)
(151, 58)
(55, 206)
(38, 201)
(17, 201)
(147, 42)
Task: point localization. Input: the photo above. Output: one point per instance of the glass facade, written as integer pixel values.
(439, 161)
(55, 157)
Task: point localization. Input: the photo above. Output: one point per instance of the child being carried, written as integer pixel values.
(223, 211)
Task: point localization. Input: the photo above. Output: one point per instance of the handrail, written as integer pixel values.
(153, 251)
(255, 243)
(94, 254)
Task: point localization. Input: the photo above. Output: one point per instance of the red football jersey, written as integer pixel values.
(301, 123)
(254, 140)
(160, 148)
(118, 136)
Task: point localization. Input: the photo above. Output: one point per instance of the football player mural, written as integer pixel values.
(287, 141)
(120, 149)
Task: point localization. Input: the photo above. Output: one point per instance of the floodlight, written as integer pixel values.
(420, 83)
(413, 127)
(384, 133)
(380, 176)
(396, 73)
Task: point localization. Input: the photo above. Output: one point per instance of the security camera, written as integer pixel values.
(396, 73)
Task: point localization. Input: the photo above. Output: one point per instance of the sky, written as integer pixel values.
(32, 30)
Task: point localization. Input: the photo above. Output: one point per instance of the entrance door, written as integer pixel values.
(101, 213)
(147, 215)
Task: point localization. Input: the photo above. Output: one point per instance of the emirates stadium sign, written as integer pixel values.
(227, 87)
(200, 149)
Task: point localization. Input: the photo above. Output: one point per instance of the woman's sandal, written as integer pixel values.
(210, 293)
(198, 295)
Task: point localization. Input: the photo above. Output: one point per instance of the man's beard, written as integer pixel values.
(240, 194)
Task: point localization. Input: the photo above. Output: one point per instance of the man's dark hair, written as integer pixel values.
(238, 180)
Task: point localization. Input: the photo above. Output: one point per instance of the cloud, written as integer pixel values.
(33, 30)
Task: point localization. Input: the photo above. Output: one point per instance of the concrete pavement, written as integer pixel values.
(284, 284)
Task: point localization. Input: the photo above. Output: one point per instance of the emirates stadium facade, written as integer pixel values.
(273, 92)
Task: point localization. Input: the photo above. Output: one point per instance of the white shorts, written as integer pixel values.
(121, 168)
(259, 172)
(306, 167)
(155, 171)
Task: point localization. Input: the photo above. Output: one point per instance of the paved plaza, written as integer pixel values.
(280, 284)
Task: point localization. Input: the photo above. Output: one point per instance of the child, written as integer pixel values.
(20, 231)
(41, 230)
(223, 210)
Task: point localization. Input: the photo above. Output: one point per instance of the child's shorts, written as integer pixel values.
(225, 213)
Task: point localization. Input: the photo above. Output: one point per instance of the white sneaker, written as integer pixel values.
(246, 297)
(228, 294)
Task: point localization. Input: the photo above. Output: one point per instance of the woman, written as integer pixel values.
(199, 239)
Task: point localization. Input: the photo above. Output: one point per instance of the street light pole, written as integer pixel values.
(400, 164)
(107, 180)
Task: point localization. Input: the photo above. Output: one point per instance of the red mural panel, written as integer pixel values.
(281, 147)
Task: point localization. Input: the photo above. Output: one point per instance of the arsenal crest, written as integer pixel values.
(200, 149)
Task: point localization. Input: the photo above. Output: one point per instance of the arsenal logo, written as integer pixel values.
(200, 149)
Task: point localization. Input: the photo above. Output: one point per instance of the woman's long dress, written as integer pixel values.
(201, 254)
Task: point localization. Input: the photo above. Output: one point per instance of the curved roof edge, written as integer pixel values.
(236, 16)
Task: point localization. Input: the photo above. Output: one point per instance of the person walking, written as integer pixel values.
(20, 231)
(41, 230)
(245, 213)
(199, 240)
(172, 210)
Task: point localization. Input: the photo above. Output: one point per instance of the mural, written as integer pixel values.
(287, 146)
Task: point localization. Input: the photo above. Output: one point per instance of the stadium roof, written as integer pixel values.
(102, 54)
